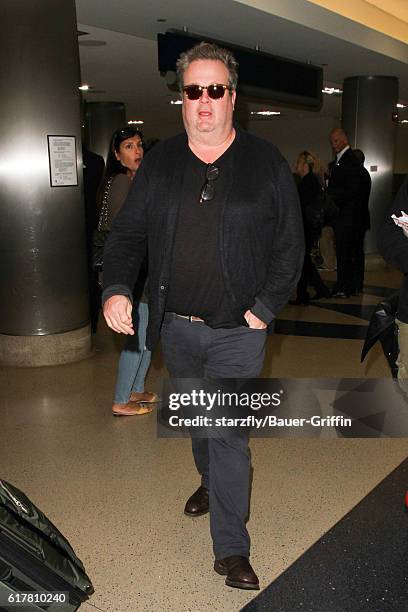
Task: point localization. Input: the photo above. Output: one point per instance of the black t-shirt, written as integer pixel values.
(197, 285)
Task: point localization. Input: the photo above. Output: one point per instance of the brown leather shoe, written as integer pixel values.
(238, 572)
(130, 409)
(198, 504)
(146, 397)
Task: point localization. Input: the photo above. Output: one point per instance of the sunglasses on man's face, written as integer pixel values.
(215, 91)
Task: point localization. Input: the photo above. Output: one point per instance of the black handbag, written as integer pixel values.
(101, 233)
(321, 211)
(382, 327)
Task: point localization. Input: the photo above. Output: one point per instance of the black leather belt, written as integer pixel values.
(190, 318)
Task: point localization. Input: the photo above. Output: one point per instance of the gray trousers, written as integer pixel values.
(194, 350)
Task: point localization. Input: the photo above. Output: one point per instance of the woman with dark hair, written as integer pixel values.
(124, 158)
(310, 186)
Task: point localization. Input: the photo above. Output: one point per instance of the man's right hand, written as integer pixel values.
(117, 311)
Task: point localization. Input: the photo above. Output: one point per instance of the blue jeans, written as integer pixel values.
(134, 359)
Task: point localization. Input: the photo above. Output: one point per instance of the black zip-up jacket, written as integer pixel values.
(393, 246)
(261, 243)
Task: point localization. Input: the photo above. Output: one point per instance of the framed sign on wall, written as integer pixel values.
(62, 160)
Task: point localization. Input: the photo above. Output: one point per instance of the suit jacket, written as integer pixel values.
(345, 187)
(364, 220)
(309, 190)
(260, 235)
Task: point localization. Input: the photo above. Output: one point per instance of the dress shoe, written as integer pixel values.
(198, 504)
(130, 409)
(238, 572)
(146, 397)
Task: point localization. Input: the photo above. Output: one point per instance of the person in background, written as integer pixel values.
(124, 158)
(362, 225)
(327, 249)
(310, 172)
(392, 242)
(344, 187)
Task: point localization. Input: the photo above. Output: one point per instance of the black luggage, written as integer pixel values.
(38, 568)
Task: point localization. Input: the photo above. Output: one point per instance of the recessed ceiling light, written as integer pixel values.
(404, 121)
(399, 105)
(91, 43)
(176, 101)
(265, 113)
(332, 90)
(84, 87)
(135, 122)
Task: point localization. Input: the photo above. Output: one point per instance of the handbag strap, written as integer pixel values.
(104, 214)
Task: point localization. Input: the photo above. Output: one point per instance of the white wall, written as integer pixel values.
(293, 135)
(401, 149)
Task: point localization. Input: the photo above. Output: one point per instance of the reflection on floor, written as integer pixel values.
(357, 312)
(117, 491)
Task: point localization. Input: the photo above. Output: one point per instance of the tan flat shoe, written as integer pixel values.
(130, 409)
(146, 397)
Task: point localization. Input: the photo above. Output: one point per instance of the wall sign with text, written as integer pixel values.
(62, 160)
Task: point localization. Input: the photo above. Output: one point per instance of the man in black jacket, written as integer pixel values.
(219, 212)
(393, 245)
(362, 223)
(345, 188)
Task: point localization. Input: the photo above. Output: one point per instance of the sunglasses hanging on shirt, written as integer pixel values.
(207, 192)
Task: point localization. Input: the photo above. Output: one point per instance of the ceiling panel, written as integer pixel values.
(396, 8)
(125, 69)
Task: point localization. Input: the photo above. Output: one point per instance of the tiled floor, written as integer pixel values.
(356, 566)
(117, 491)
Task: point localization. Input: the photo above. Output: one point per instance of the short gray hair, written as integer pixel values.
(208, 51)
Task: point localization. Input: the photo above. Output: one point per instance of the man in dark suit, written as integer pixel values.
(218, 211)
(344, 186)
(363, 223)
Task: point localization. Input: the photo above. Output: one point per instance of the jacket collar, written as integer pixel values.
(341, 153)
